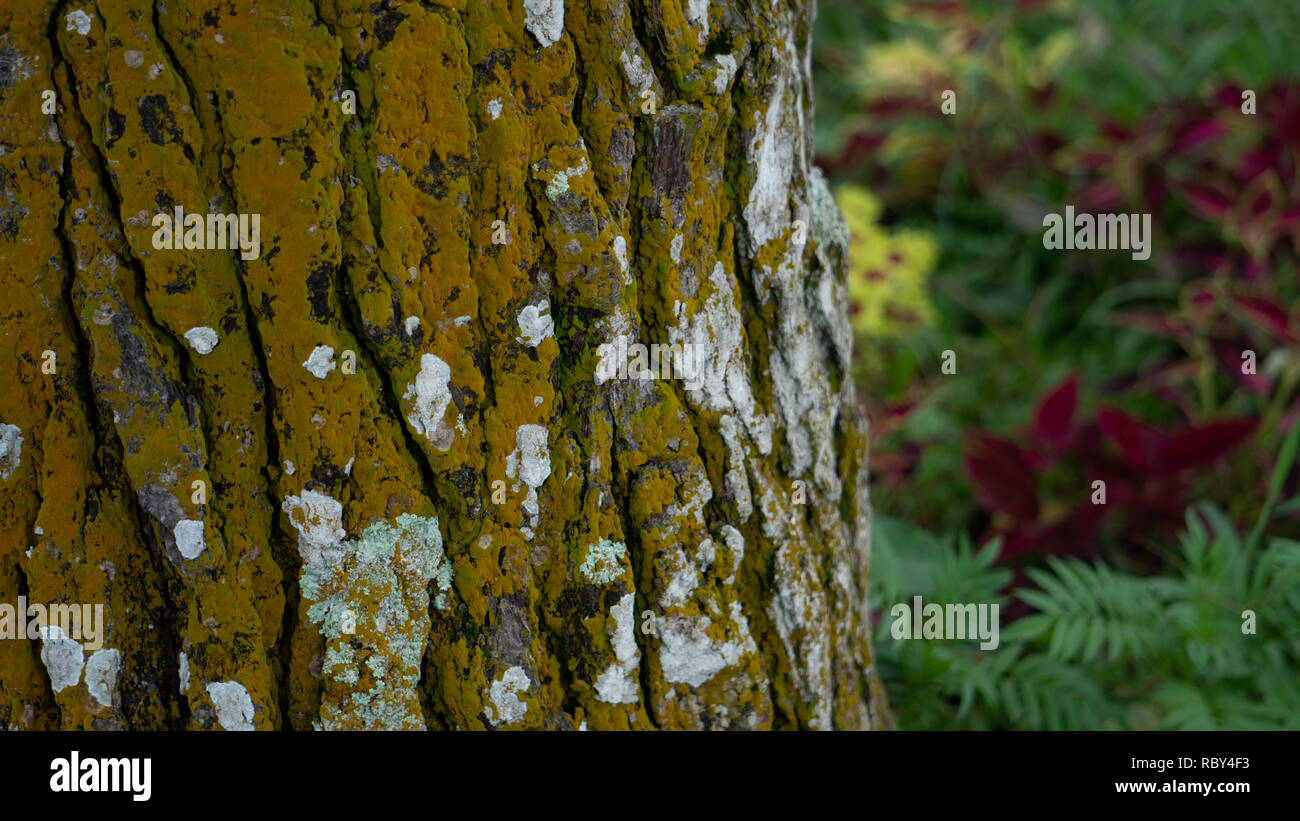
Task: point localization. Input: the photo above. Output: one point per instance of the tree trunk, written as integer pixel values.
(375, 473)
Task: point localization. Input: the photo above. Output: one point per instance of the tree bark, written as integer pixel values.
(373, 477)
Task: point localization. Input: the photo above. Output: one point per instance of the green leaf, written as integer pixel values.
(1096, 636)
(1285, 459)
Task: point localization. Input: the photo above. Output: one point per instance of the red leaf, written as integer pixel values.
(861, 145)
(1115, 129)
(1254, 163)
(1254, 268)
(1055, 412)
(1153, 453)
(1208, 203)
(1002, 479)
(1104, 195)
(1093, 160)
(1230, 355)
(1261, 204)
(1230, 96)
(1198, 134)
(938, 9)
(1154, 323)
(1155, 194)
(1202, 258)
(1266, 312)
(1134, 439)
(1015, 542)
(891, 104)
(1201, 445)
(1073, 535)
(1286, 120)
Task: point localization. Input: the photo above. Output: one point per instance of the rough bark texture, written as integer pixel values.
(347, 565)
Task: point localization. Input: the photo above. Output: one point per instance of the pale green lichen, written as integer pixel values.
(603, 563)
(371, 603)
(557, 186)
(826, 218)
(559, 183)
(506, 706)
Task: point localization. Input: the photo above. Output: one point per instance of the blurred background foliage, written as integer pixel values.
(1173, 380)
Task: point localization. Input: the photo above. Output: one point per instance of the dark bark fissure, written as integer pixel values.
(144, 528)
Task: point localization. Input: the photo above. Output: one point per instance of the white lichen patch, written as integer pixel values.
(234, 706)
(771, 152)
(736, 481)
(289, 468)
(184, 673)
(695, 496)
(545, 19)
(412, 323)
(494, 108)
(800, 613)
(618, 683)
(603, 562)
(620, 254)
(202, 339)
(723, 382)
(639, 75)
(101, 675)
(429, 397)
(62, 656)
(684, 572)
(189, 538)
(726, 70)
(697, 11)
(675, 249)
(11, 449)
(133, 57)
(535, 324)
(505, 705)
(688, 655)
(803, 397)
(717, 329)
(79, 22)
(321, 361)
(530, 462)
(735, 543)
(318, 519)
